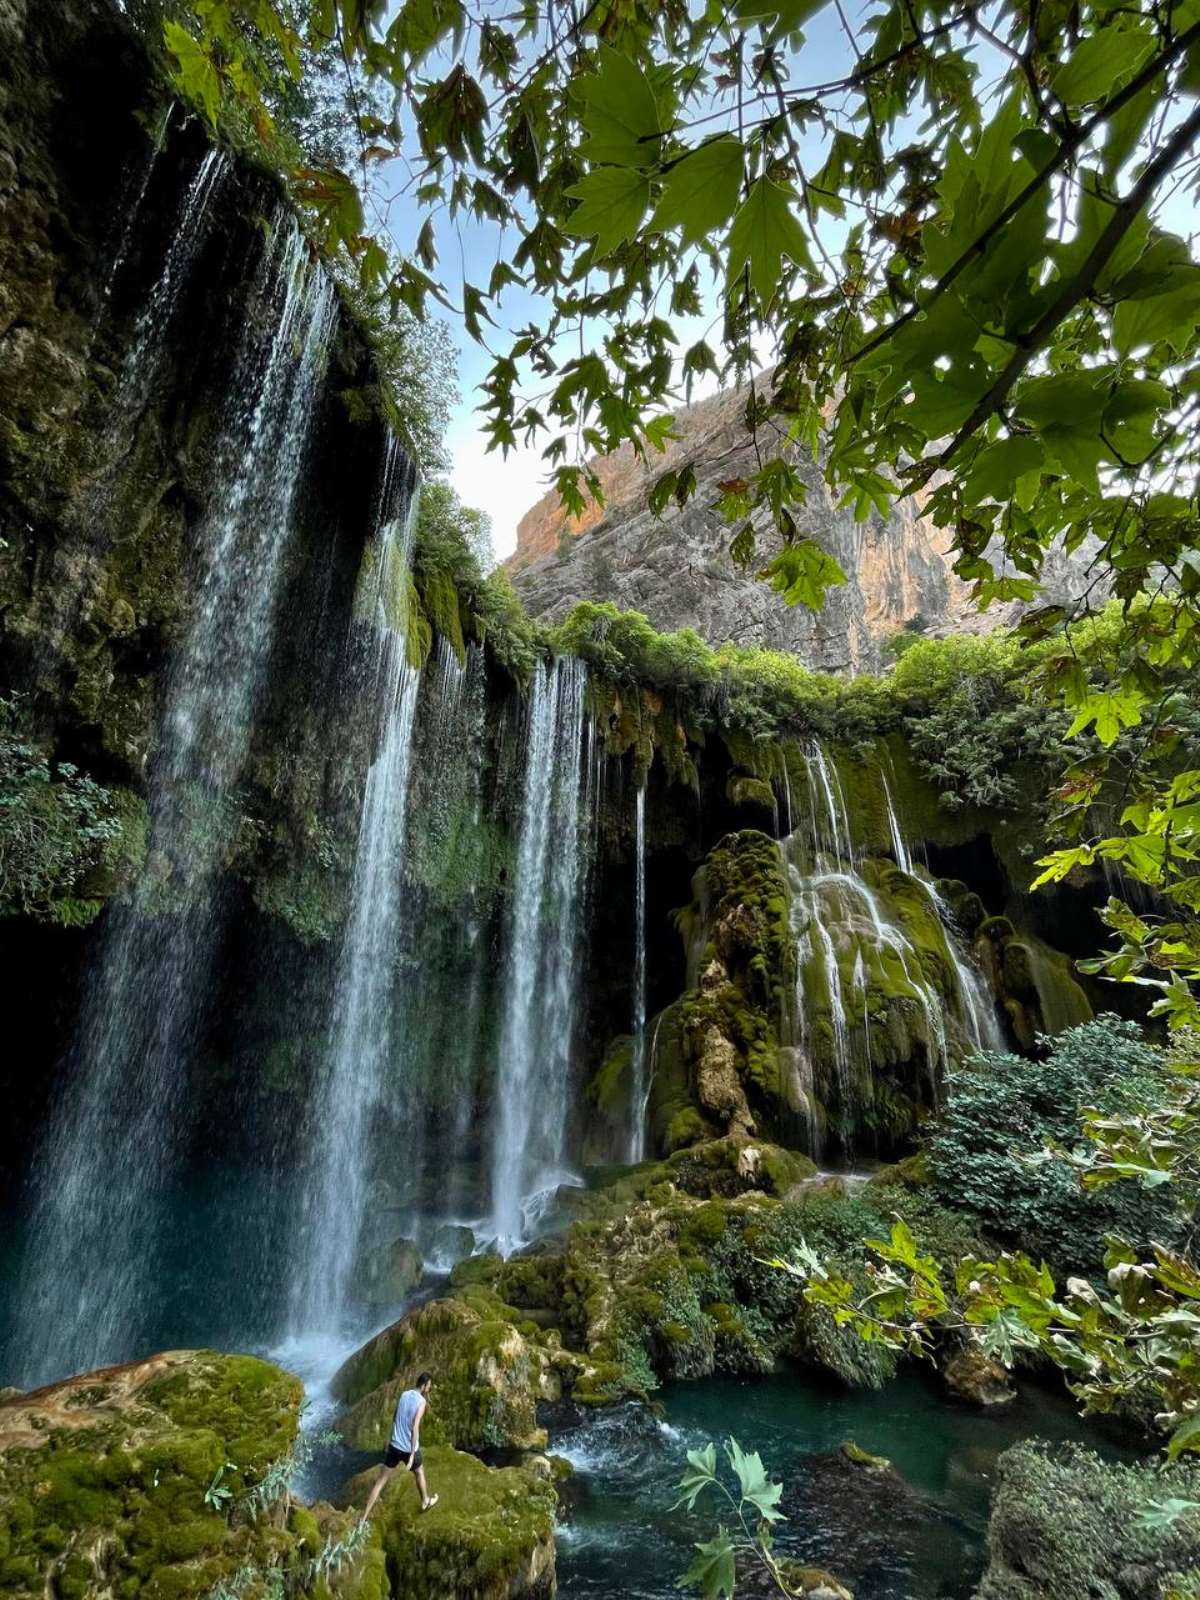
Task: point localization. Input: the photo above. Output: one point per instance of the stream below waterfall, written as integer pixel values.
(917, 1538)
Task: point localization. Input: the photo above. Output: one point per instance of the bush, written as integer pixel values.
(66, 841)
(988, 1154)
(1067, 1524)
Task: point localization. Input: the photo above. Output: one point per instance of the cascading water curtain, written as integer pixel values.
(866, 928)
(543, 971)
(361, 1053)
(639, 1077)
(102, 1185)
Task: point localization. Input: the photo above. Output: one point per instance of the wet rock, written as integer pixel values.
(104, 1477)
(488, 1377)
(866, 1516)
(451, 1243)
(391, 1272)
(859, 1457)
(973, 1376)
(490, 1536)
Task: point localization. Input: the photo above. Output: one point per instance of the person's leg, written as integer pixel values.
(377, 1489)
(427, 1499)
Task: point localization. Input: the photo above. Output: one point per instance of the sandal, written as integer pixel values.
(430, 1503)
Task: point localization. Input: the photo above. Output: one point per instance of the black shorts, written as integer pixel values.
(394, 1457)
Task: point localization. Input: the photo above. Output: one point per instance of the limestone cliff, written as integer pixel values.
(678, 570)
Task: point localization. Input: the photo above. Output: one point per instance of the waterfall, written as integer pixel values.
(141, 359)
(899, 847)
(640, 1087)
(856, 928)
(103, 1180)
(360, 1058)
(543, 968)
(131, 209)
(975, 1003)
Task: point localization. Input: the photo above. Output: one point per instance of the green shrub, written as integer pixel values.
(1067, 1524)
(988, 1154)
(66, 841)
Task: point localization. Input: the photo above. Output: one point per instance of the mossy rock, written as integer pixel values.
(103, 1477)
(490, 1536)
(857, 1456)
(488, 1376)
(736, 1165)
(752, 793)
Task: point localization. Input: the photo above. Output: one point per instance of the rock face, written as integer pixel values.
(488, 1379)
(679, 572)
(1066, 1524)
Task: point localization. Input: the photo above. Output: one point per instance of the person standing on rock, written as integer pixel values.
(406, 1444)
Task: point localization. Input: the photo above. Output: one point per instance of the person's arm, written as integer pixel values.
(416, 1432)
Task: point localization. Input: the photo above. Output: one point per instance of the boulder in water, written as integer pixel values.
(490, 1536)
(973, 1376)
(864, 1515)
(451, 1243)
(392, 1271)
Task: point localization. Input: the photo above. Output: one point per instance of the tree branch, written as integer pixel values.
(1067, 148)
(1122, 219)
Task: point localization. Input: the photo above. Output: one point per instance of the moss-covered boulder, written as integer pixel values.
(1069, 1525)
(490, 1536)
(654, 1283)
(488, 1376)
(719, 1064)
(104, 1478)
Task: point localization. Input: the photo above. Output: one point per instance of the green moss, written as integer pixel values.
(742, 790)
(490, 1537)
(125, 1479)
(488, 1376)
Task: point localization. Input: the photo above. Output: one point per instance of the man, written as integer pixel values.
(406, 1444)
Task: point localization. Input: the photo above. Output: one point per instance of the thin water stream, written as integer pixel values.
(639, 1076)
(534, 1080)
(361, 1050)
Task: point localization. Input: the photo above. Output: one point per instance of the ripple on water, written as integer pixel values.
(918, 1535)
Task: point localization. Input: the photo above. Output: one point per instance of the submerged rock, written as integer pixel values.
(490, 1536)
(867, 1515)
(120, 1481)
